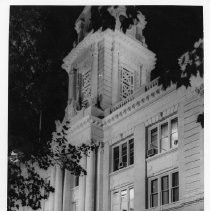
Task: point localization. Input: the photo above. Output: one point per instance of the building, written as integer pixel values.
(150, 154)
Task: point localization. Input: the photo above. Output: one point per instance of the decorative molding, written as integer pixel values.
(98, 36)
(161, 115)
(120, 136)
(135, 104)
(85, 122)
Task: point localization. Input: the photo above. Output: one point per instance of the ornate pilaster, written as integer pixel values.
(58, 189)
(82, 186)
(70, 90)
(52, 183)
(90, 183)
(66, 191)
(115, 68)
(94, 79)
(99, 177)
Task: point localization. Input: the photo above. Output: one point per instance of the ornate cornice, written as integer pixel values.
(85, 122)
(99, 35)
(135, 104)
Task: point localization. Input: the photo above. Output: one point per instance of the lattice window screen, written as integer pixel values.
(86, 86)
(126, 83)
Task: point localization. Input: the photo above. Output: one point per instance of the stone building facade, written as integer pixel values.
(150, 154)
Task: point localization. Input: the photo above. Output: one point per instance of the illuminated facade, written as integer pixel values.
(150, 154)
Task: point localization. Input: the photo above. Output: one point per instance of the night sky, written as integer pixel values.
(170, 32)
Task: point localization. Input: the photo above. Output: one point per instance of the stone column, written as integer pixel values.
(94, 79)
(115, 71)
(106, 182)
(58, 189)
(52, 195)
(67, 199)
(99, 175)
(70, 90)
(139, 169)
(90, 183)
(82, 186)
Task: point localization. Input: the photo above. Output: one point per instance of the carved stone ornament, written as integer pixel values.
(71, 109)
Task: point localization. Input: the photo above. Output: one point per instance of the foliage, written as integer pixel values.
(26, 186)
(34, 94)
(190, 63)
(102, 17)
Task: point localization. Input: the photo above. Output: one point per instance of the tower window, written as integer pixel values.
(126, 83)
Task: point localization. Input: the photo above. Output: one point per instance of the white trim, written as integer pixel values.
(159, 178)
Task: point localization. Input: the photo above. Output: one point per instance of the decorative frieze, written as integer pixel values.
(119, 136)
(135, 104)
(162, 115)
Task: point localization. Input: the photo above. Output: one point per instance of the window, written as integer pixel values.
(126, 83)
(75, 206)
(163, 189)
(123, 199)
(154, 193)
(123, 155)
(163, 136)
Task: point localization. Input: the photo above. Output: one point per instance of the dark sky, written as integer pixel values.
(170, 30)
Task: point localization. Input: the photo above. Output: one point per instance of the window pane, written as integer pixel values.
(116, 158)
(164, 144)
(154, 186)
(174, 125)
(124, 154)
(154, 138)
(115, 201)
(164, 183)
(154, 200)
(131, 202)
(164, 130)
(165, 197)
(175, 194)
(164, 190)
(131, 151)
(124, 201)
(174, 132)
(154, 193)
(175, 179)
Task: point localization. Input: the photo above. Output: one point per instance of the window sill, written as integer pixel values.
(161, 154)
(121, 170)
(165, 206)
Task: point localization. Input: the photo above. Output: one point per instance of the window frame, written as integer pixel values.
(120, 144)
(119, 190)
(159, 138)
(159, 191)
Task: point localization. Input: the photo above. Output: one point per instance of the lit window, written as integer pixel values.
(123, 199)
(123, 155)
(163, 136)
(167, 185)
